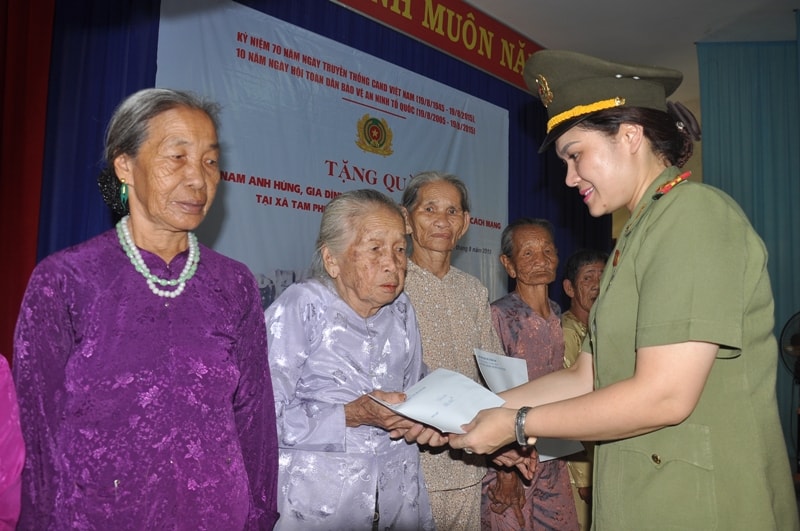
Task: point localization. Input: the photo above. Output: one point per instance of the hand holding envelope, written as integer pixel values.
(445, 400)
(505, 372)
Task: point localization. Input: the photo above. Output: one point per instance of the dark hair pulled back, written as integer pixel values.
(672, 133)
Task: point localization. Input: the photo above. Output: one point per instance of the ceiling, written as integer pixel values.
(660, 33)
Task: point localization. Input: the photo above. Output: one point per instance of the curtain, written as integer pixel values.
(107, 50)
(25, 29)
(751, 120)
(53, 123)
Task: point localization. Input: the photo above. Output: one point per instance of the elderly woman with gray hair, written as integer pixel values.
(335, 340)
(143, 404)
(454, 318)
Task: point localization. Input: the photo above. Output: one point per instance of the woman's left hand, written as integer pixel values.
(490, 430)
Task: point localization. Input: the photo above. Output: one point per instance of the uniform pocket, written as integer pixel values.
(663, 480)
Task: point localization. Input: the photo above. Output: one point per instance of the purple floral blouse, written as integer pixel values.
(141, 412)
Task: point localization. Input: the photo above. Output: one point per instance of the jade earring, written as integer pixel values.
(123, 192)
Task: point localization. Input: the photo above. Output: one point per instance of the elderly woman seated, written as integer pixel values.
(347, 333)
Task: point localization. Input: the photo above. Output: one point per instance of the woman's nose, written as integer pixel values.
(440, 219)
(391, 262)
(572, 178)
(194, 174)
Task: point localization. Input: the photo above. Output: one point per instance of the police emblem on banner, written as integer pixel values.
(374, 135)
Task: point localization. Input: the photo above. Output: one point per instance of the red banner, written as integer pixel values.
(457, 29)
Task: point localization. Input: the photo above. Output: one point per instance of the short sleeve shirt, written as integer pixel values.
(689, 267)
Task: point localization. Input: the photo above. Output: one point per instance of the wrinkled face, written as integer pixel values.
(174, 177)
(596, 167)
(436, 222)
(534, 258)
(587, 285)
(371, 272)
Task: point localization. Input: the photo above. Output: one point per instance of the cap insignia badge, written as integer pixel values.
(545, 94)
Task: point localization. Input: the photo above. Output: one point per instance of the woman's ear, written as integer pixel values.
(329, 262)
(508, 265)
(633, 135)
(467, 219)
(405, 219)
(568, 288)
(123, 168)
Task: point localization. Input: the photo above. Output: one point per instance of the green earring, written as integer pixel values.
(123, 192)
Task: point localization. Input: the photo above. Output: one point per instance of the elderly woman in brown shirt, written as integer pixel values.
(453, 311)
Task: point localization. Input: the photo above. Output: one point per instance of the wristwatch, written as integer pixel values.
(519, 426)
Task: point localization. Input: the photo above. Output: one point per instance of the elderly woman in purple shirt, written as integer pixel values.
(347, 334)
(528, 322)
(140, 355)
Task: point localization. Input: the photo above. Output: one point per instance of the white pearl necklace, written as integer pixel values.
(125, 239)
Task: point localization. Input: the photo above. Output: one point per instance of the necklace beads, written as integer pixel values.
(153, 281)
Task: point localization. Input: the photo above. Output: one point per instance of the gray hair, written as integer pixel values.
(128, 129)
(411, 193)
(507, 238)
(338, 223)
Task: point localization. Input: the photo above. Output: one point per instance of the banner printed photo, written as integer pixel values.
(305, 118)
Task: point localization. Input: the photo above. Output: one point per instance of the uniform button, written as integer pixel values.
(656, 459)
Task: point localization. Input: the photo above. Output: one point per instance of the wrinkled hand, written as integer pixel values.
(490, 430)
(420, 434)
(585, 493)
(524, 459)
(364, 411)
(507, 493)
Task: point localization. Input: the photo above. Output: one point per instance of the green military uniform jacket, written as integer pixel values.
(689, 267)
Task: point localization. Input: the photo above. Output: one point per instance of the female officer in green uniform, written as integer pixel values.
(677, 374)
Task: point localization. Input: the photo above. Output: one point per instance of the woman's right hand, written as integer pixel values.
(364, 411)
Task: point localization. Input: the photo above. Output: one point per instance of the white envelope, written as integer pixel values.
(445, 400)
(505, 372)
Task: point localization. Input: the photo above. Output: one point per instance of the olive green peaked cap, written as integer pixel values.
(573, 85)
